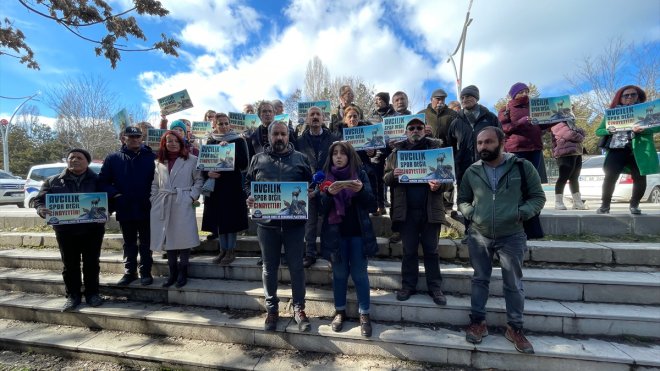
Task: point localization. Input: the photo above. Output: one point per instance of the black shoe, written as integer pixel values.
(308, 261)
(338, 321)
(635, 210)
(220, 256)
(170, 281)
(404, 294)
(603, 210)
(438, 297)
(146, 280)
(271, 322)
(301, 319)
(365, 325)
(72, 302)
(94, 300)
(126, 279)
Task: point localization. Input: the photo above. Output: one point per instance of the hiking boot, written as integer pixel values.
(229, 257)
(220, 256)
(395, 237)
(476, 331)
(271, 322)
(338, 322)
(438, 297)
(146, 280)
(308, 261)
(302, 321)
(72, 302)
(519, 340)
(127, 278)
(365, 325)
(404, 294)
(94, 300)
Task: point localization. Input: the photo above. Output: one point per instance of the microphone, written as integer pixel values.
(317, 179)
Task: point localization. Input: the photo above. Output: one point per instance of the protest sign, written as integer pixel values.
(153, 138)
(395, 126)
(201, 128)
(365, 137)
(214, 157)
(624, 118)
(176, 102)
(324, 105)
(422, 166)
(120, 121)
(279, 200)
(76, 208)
(283, 117)
(550, 110)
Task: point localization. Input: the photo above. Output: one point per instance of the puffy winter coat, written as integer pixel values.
(566, 140)
(520, 134)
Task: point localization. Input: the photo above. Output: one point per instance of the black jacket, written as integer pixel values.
(306, 147)
(255, 141)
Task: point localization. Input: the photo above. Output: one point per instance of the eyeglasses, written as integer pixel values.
(627, 96)
(413, 128)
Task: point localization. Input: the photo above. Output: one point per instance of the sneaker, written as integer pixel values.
(635, 210)
(519, 340)
(395, 237)
(404, 294)
(220, 256)
(302, 321)
(338, 321)
(271, 322)
(476, 331)
(308, 261)
(126, 279)
(72, 302)
(438, 297)
(603, 210)
(365, 325)
(94, 301)
(146, 280)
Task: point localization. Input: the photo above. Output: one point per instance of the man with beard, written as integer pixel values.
(314, 143)
(279, 162)
(491, 197)
(438, 115)
(400, 103)
(418, 212)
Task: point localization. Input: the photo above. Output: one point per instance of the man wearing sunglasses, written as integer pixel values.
(418, 212)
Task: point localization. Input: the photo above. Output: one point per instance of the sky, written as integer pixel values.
(234, 52)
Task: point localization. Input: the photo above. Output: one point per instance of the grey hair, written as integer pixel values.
(272, 125)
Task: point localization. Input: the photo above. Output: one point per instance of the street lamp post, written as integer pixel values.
(4, 130)
(461, 45)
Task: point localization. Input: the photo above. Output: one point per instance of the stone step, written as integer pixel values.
(567, 223)
(555, 284)
(133, 333)
(550, 316)
(578, 253)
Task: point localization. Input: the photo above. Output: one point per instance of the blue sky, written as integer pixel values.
(234, 51)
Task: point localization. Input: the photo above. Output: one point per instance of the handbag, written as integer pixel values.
(533, 228)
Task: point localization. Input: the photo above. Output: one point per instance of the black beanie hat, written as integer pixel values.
(470, 90)
(384, 96)
(84, 152)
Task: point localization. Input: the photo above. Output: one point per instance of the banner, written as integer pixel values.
(244, 122)
(279, 200)
(324, 105)
(395, 126)
(76, 208)
(550, 110)
(643, 114)
(283, 117)
(422, 166)
(153, 138)
(120, 121)
(176, 102)
(201, 129)
(365, 137)
(214, 157)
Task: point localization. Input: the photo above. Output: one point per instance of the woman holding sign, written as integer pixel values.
(76, 240)
(630, 151)
(347, 237)
(225, 211)
(174, 192)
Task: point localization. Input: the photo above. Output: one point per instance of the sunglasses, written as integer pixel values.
(631, 95)
(413, 128)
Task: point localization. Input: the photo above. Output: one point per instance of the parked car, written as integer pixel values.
(37, 175)
(11, 189)
(591, 183)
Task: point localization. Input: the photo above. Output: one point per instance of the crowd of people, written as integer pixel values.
(497, 157)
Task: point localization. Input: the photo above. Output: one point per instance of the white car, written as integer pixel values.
(591, 183)
(39, 173)
(11, 189)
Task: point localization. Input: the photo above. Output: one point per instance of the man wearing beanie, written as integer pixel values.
(126, 176)
(383, 107)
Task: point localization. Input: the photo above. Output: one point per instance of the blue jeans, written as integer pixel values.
(511, 251)
(354, 263)
(130, 230)
(271, 241)
(227, 241)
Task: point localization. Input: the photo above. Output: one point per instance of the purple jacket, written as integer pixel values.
(521, 135)
(566, 140)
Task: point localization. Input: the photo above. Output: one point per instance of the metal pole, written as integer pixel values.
(461, 46)
(5, 133)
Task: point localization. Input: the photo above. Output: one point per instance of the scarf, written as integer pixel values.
(171, 158)
(343, 198)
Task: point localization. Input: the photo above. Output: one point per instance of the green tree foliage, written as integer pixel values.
(84, 18)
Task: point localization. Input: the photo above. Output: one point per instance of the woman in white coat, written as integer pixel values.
(174, 192)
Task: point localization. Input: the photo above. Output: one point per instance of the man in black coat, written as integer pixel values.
(126, 176)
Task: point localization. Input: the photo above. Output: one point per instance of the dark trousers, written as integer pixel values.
(532, 156)
(73, 246)
(379, 171)
(132, 231)
(416, 230)
(616, 160)
(182, 265)
(569, 170)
